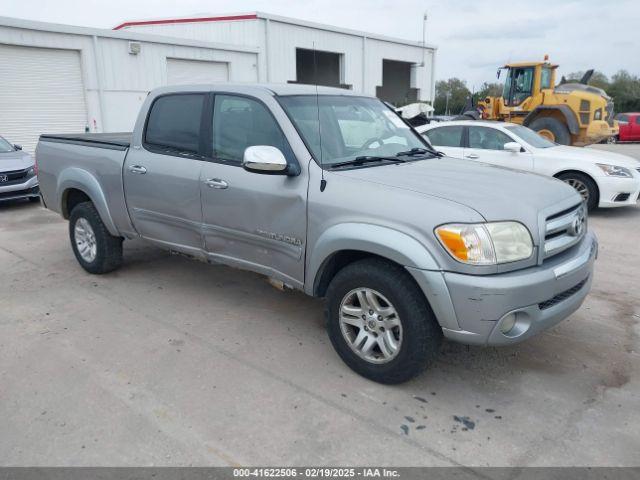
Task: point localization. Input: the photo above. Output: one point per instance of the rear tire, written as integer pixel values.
(553, 129)
(416, 333)
(95, 248)
(585, 186)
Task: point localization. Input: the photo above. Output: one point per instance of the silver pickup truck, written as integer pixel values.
(333, 194)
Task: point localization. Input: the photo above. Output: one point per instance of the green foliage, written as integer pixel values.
(458, 93)
(488, 90)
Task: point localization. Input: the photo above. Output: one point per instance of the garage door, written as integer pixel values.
(41, 91)
(181, 72)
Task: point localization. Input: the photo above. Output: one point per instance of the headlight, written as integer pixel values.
(614, 170)
(31, 172)
(486, 243)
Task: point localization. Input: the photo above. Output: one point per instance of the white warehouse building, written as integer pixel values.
(67, 79)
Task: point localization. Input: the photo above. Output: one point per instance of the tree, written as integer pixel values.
(625, 90)
(451, 96)
(488, 90)
(598, 79)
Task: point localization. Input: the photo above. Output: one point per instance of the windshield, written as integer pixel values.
(351, 127)
(5, 146)
(530, 136)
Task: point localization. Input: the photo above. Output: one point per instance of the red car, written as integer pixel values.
(629, 124)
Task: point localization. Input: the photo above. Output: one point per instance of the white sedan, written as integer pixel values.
(604, 179)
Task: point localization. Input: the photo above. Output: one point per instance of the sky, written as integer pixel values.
(474, 37)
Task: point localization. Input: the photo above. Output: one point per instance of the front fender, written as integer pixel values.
(385, 242)
(82, 180)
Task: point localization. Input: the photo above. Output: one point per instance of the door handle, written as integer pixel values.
(473, 156)
(216, 183)
(137, 169)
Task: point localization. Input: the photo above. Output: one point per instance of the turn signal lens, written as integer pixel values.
(467, 243)
(486, 243)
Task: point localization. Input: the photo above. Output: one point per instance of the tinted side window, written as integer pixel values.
(622, 118)
(174, 122)
(240, 122)
(638, 120)
(487, 138)
(445, 136)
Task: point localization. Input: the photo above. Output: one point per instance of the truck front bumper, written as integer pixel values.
(478, 309)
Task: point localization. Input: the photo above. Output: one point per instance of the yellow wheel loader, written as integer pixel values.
(569, 113)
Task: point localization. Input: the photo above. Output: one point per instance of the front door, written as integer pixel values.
(486, 144)
(162, 176)
(252, 220)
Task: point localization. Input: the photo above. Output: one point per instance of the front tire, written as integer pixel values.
(552, 129)
(380, 323)
(95, 248)
(585, 186)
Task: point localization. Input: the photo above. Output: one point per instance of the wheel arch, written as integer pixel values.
(548, 110)
(343, 244)
(76, 185)
(581, 172)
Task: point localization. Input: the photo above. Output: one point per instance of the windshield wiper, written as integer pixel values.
(418, 151)
(367, 159)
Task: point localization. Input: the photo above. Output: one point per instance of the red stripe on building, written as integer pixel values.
(170, 21)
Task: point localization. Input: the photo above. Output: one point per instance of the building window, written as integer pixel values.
(319, 68)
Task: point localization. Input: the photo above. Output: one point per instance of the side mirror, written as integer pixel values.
(264, 159)
(17, 147)
(513, 147)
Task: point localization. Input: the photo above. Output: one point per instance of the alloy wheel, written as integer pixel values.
(85, 239)
(370, 325)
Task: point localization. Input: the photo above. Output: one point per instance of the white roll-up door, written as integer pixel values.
(41, 91)
(181, 72)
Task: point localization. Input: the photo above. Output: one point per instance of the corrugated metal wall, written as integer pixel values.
(114, 79)
(278, 40)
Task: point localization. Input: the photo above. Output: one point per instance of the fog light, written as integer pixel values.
(508, 323)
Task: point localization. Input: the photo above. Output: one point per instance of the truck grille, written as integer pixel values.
(14, 177)
(564, 229)
(562, 296)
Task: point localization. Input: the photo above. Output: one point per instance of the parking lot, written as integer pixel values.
(173, 362)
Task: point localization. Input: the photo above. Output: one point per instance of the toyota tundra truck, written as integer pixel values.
(331, 193)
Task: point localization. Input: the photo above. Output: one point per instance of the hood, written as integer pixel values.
(581, 87)
(591, 155)
(496, 193)
(17, 160)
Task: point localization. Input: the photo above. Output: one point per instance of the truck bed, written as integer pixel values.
(111, 141)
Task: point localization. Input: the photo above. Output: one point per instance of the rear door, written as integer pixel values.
(447, 139)
(162, 176)
(252, 220)
(486, 144)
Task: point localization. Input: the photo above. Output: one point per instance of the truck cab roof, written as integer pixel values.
(278, 89)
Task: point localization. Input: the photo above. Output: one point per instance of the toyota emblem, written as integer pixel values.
(577, 226)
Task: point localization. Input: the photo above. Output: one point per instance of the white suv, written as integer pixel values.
(604, 179)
